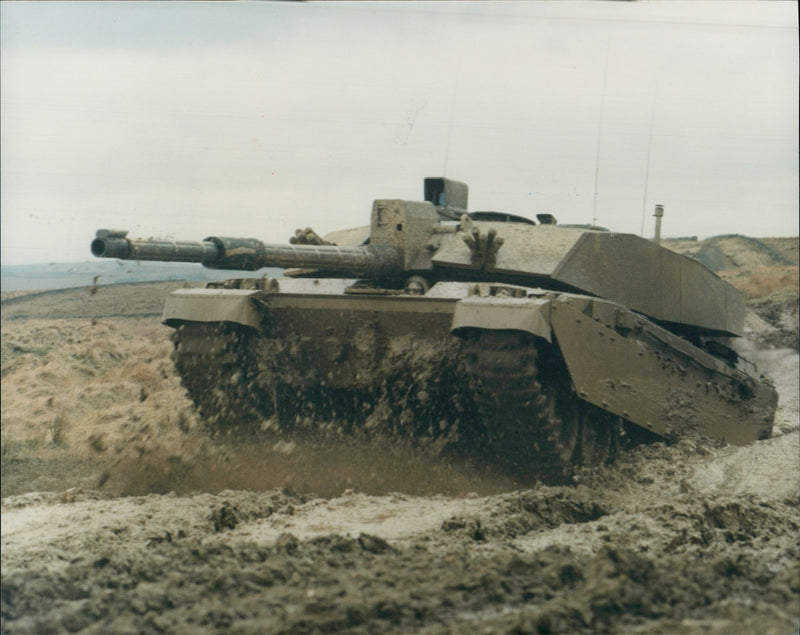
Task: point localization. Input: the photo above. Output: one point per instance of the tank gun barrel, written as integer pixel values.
(114, 244)
(250, 254)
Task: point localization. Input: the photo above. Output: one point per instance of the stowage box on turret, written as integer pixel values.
(548, 345)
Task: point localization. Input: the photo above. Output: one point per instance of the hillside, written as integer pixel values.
(721, 253)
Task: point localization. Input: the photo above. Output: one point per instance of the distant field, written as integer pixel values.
(43, 277)
(116, 300)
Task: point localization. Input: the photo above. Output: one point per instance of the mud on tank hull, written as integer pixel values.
(538, 381)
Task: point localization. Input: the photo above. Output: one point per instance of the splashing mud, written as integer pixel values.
(323, 469)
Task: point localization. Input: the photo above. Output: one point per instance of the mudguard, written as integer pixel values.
(213, 305)
(531, 315)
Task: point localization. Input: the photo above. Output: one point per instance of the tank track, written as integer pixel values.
(243, 382)
(213, 363)
(536, 423)
(483, 398)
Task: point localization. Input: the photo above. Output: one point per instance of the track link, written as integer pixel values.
(213, 363)
(532, 417)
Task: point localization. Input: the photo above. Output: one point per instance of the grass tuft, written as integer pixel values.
(58, 428)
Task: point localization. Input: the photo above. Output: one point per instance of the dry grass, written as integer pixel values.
(85, 387)
(763, 282)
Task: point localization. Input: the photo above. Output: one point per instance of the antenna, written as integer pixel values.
(599, 134)
(450, 126)
(649, 146)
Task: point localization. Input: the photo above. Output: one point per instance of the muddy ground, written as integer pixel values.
(120, 516)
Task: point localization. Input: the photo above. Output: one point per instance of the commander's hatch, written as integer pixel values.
(449, 197)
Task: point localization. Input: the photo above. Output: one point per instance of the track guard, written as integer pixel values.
(213, 305)
(531, 315)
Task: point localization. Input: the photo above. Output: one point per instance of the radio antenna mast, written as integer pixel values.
(599, 135)
(450, 126)
(647, 165)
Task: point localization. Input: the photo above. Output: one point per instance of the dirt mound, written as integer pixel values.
(547, 560)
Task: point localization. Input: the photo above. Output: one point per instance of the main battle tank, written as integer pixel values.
(540, 345)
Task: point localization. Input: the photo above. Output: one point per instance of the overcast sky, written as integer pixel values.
(186, 120)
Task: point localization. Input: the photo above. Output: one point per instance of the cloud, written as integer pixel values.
(256, 119)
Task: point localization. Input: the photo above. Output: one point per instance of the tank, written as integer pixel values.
(539, 345)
